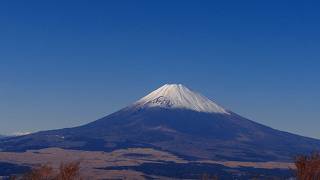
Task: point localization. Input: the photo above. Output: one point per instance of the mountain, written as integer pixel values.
(177, 120)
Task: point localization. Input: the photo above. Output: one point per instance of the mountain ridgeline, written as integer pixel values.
(175, 119)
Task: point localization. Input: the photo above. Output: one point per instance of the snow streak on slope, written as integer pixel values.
(179, 96)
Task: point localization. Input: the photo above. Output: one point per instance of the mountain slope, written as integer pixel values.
(175, 119)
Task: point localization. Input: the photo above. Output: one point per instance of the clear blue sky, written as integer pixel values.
(64, 64)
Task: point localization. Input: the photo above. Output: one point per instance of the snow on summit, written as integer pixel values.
(179, 96)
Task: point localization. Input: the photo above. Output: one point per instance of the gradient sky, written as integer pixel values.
(64, 64)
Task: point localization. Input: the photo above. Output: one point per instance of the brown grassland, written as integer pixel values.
(307, 167)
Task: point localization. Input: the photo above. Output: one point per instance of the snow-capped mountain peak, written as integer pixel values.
(179, 96)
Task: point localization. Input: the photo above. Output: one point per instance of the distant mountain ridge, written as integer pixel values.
(175, 119)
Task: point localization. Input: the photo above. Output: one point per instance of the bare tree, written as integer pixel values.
(67, 171)
(44, 172)
(308, 167)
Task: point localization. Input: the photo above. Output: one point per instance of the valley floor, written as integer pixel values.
(141, 163)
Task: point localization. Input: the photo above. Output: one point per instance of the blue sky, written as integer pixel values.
(64, 64)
